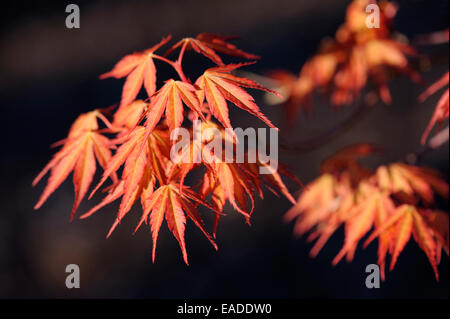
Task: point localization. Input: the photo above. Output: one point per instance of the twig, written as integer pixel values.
(176, 65)
(435, 142)
(309, 145)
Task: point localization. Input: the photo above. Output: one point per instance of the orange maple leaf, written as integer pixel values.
(149, 151)
(169, 204)
(351, 195)
(170, 98)
(442, 107)
(143, 147)
(81, 149)
(208, 43)
(139, 69)
(344, 65)
(219, 85)
(403, 222)
(127, 117)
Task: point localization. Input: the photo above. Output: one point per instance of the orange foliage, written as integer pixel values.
(442, 106)
(344, 65)
(140, 133)
(392, 203)
(395, 201)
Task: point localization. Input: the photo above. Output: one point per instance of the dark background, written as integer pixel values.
(48, 76)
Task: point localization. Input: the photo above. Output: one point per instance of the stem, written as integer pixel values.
(309, 145)
(104, 119)
(181, 54)
(175, 65)
(435, 142)
(439, 139)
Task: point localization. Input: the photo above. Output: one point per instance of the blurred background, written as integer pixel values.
(49, 75)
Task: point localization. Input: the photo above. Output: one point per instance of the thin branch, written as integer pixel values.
(328, 136)
(434, 143)
(181, 54)
(175, 65)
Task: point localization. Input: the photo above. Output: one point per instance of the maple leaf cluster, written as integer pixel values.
(393, 202)
(344, 65)
(134, 146)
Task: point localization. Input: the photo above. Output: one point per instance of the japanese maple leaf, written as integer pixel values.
(208, 43)
(229, 181)
(336, 188)
(170, 98)
(232, 182)
(211, 186)
(236, 184)
(137, 152)
(139, 69)
(347, 158)
(407, 220)
(81, 149)
(295, 92)
(316, 196)
(197, 151)
(442, 107)
(142, 189)
(186, 160)
(373, 210)
(169, 204)
(271, 179)
(322, 207)
(137, 175)
(219, 86)
(130, 115)
(141, 170)
(344, 65)
(438, 221)
(412, 181)
(351, 195)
